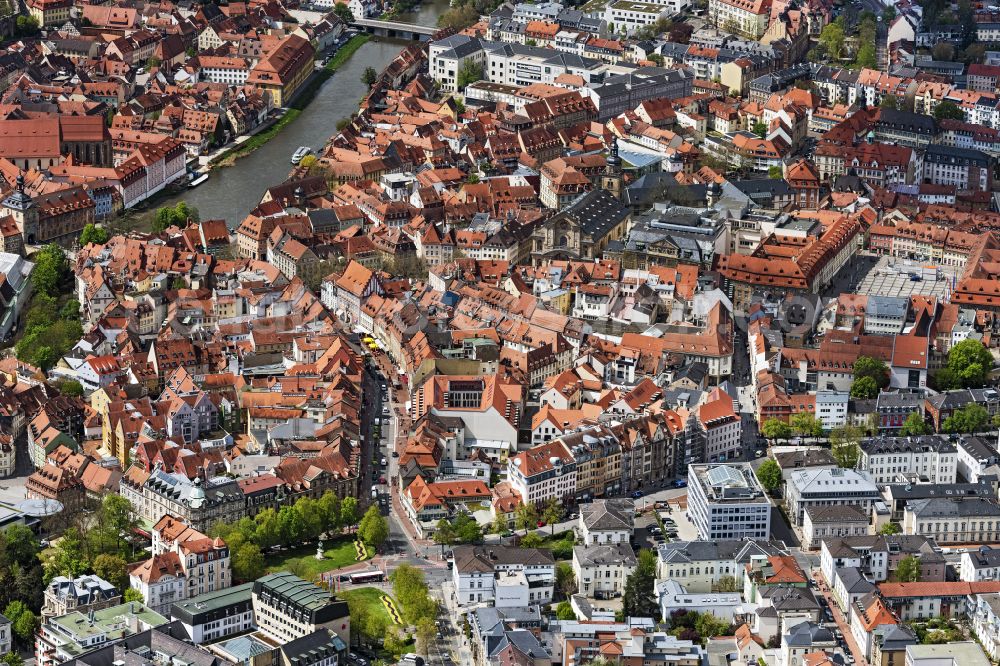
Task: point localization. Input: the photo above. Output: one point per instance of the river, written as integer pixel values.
(231, 192)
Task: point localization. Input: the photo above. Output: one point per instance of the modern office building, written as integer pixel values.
(726, 501)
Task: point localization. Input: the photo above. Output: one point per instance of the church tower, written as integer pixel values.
(20, 206)
(612, 178)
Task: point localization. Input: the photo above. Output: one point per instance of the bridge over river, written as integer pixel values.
(395, 29)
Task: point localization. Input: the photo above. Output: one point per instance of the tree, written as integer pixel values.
(552, 514)
(775, 173)
(526, 517)
(395, 642)
(112, 569)
(469, 72)
(776, 429)
(805, 424)
(760, 129)
(444, 535)
(176, 216)
(26, 26)
(68, 556)
(866, 366)
(329, 509)
(914, 425)
(310, 518)
(943, 51)
(458, 18)
(564, 611)
(152, 62)
(373, 528)
(71, 388)
(12, 659)
(889, 529)
(970, 362)
(410, 590)
(565, 579)
(248, 562)
(349, 512)
(846, 454)
(51, 275)
(844, 445)
(466, 529)
(948, 111)
(23, 621)
(972, 418)
(132, 594)
(865, 388)
(369, 76)
(908, 570)
(726, 584)
(639, 599)
(832, 39)
(889, 102)
(769, 475)
(343, 12)
(93, 234)
(531, 540)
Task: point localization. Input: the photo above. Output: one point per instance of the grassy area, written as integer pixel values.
(302, 561)
(346, 51)
(370, 597)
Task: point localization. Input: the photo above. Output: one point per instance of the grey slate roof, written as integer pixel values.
(605, 554)
(608, 514)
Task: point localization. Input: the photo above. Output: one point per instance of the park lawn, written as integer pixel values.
(370, 597)
(336, 554)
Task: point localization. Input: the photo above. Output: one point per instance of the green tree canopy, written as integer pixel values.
(832, 39)
(343, 12)
(369, 76)
(93, 234)
(864, 388)
(373, 528)
(776, 429)
(867, 366)
(526, 517)
(769, 475)
(973, 418)
(469, 72)
(914, 425)
(639, 598)
(805, 424)
(970, 362)
(564, 611)
(948, 111)
(248, 562)
(845, 445)
(890, 528)
(531, 540)
(132, 594)
(908, 570)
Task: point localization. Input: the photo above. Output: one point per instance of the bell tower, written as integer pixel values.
(612, 178)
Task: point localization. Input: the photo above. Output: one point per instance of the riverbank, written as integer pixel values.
(301, 101)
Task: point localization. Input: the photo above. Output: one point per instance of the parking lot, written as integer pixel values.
(678, 528)
(894, 277)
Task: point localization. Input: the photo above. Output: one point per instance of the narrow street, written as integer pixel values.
(838, 618)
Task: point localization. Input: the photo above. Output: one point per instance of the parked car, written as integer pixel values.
(680, 483)
(541, 523)
(637, 494)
